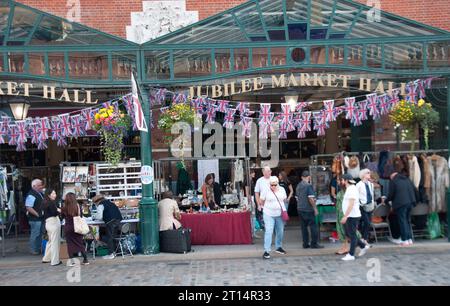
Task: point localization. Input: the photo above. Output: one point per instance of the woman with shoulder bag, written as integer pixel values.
(273, 210)
(53, 228)
(74, 240)
(367, 202)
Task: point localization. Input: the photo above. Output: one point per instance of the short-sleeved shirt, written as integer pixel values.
(351, 193)
(262, 185)
(303, 192)
(272, 205)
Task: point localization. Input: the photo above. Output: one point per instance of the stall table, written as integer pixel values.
(218, 228)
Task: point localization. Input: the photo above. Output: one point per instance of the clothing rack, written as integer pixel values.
(13, 218)
(314, 158)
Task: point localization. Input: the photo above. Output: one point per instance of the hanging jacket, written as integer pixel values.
(439, 183)
(414, 170)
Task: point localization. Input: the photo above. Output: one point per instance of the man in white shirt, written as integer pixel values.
(352, 214)
(366, 201)
(262, 186)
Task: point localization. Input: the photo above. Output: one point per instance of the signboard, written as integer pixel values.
(147, 175)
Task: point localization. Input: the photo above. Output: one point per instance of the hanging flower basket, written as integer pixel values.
(112, 125)
(177, 113)
(409, 116)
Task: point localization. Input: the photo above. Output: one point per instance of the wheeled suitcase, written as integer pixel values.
(175, 241)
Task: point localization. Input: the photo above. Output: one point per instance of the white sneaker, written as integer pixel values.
(396, 241)
(71, 263)
(348, 257)
(110, 256)
(364, 250)
(410, 242)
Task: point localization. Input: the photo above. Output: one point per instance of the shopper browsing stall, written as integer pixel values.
(169, 213)
(352, 214)
(110, 214)
(402, 194)
(53, 227)
(307, 211)
(273, 205)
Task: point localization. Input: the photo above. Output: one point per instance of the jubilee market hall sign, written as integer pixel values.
(292, 80)
(8, 88)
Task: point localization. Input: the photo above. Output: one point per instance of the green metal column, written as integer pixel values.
(448, 144)
(148, 206)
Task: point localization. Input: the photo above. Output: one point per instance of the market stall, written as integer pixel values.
(231, 221)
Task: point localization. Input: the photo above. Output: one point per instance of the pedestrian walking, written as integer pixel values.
(262, 186)
(74, 240)
(53, 228)
(352, 214)
(367, 202)
(272, 205)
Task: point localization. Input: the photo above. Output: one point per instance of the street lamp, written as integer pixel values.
(19, 109)
(292, 101)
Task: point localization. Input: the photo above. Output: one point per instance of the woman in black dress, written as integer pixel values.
(74, 240)
(53, 227)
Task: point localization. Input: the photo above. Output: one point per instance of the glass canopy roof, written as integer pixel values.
(282, 20)
(255, 38)
(21, 26)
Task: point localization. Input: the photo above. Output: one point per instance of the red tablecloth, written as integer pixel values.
(219, 228)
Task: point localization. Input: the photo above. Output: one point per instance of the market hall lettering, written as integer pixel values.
(291, 80)
(48, 92)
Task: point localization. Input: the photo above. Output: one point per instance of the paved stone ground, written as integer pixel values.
(398, 267)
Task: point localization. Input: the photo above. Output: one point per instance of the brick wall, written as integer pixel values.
(112, 16)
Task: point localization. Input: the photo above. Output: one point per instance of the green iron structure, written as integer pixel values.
(258, 36)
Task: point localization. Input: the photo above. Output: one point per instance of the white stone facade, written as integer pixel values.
(159, 18)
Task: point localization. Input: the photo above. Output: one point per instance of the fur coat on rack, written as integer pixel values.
(438, 176)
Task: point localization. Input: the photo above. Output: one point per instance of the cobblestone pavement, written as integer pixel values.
(396, 267)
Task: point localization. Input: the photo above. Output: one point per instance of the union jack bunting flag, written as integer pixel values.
(33, 131)
(77, 126)
(411, 95)
(420, 88)
(13, 134)
(44, 128)
(383, 102)
(362, 110)
(265, 116)
(282, 131)
(211, 114)
(330, 112)
(222, 106)
(229, 119)
(56, 128)
(372, 101)
(66, 127)
(350, 108)
(87, 116)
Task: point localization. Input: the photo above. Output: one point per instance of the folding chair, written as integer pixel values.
(121, 241)
(419, 210)
(382, 211)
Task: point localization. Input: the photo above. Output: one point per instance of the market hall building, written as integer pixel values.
(257, 52)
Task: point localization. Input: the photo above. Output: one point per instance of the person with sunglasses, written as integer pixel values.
(272, 203)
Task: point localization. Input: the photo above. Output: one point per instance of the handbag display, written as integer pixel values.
(80, 225)
(284, 214)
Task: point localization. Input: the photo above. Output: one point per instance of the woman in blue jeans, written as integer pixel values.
(272, 205)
